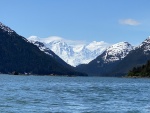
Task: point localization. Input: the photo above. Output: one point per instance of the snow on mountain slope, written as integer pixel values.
(117, 52)
(73, 54)
(42, 47)
(5, 28)
(145, 45)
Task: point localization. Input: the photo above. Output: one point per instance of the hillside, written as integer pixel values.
(18, 54)
(141, 71)
(137, 57)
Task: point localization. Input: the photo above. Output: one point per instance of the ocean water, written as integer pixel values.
(49, 94)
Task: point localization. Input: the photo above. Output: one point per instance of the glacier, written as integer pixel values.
(73, 53)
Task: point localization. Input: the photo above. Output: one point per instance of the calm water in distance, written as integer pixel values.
(47, 94)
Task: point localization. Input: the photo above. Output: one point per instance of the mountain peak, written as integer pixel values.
(145, 45)
(120, 45)
(117, 51)
(147, 40)
(5, 28)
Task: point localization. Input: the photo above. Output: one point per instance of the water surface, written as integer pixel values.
(49, 94)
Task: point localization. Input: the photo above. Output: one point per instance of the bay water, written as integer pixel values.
(56, 94)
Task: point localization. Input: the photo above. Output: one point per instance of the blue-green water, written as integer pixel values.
(47, 94)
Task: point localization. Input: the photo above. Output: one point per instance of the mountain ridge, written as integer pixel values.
(120, 66)
(19, 55)
(139, 56)
(73, 54)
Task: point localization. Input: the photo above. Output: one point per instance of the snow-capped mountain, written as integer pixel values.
(42, 47)
(137, 57)
(118, 59)
(145, 45)
(46, 50)
(20, 56)
(117, 52)
(114, 53)
(104, 63)
(73, 54)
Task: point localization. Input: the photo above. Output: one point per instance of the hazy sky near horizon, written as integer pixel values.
(111, 21)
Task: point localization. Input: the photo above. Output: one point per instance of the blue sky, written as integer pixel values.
(111, 21)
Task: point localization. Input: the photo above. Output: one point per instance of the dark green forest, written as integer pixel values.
(141, 71)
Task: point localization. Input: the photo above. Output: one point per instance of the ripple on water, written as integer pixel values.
(73, 94)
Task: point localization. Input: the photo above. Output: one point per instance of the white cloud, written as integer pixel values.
(54, 38)
(45, 40)
(75, 42)
(129, 22)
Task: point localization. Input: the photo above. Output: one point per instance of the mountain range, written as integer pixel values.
(21, 56)
(54, 56)
(105, 63)
(118, 59)
(72, 53)
(98, 58)
(137, 57)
